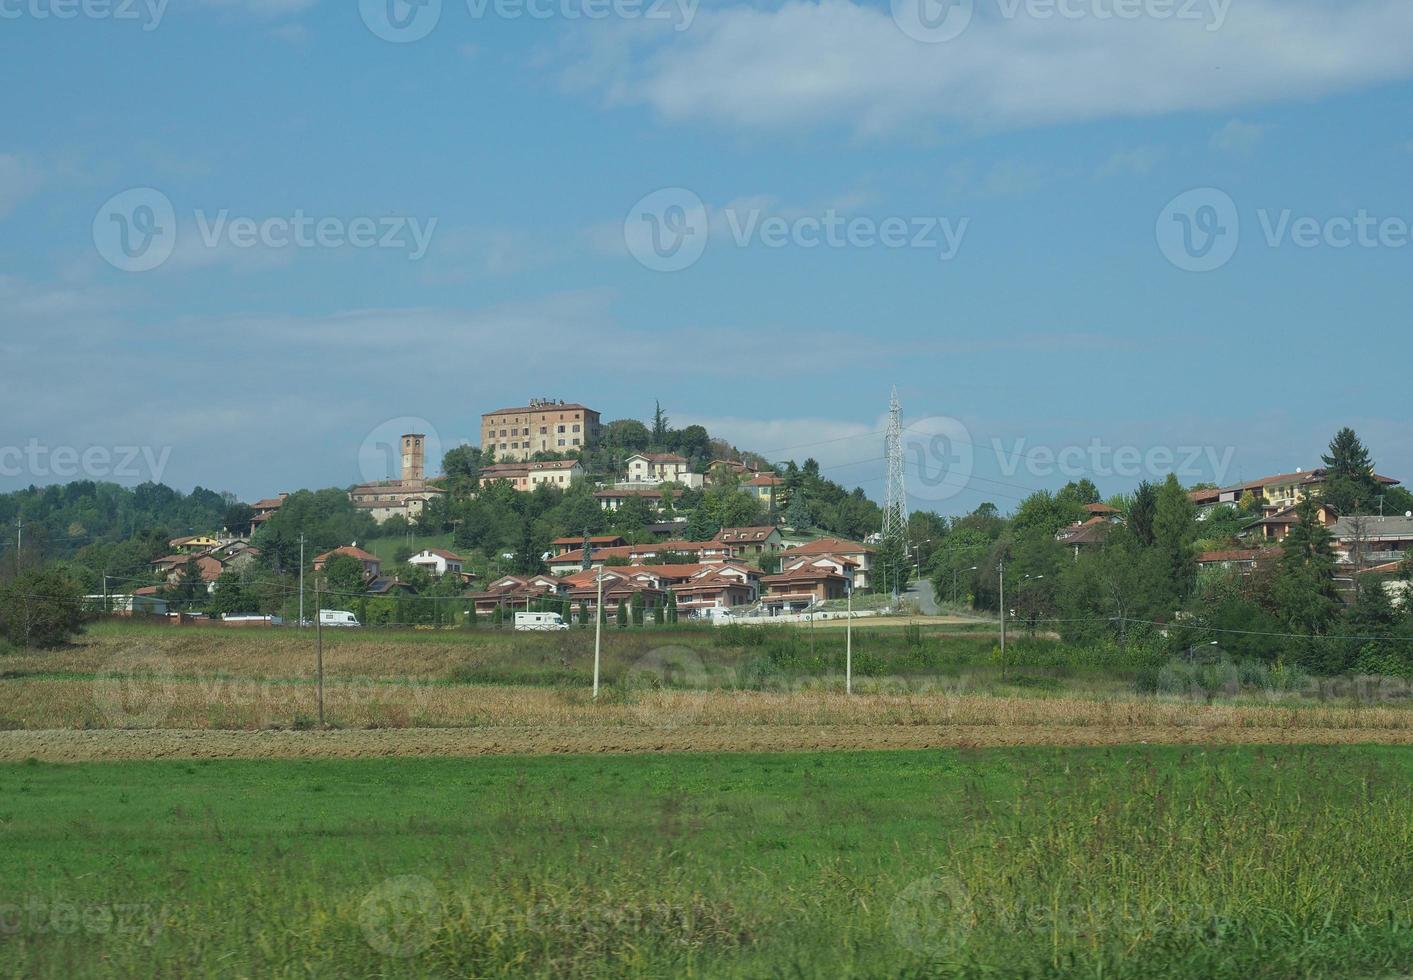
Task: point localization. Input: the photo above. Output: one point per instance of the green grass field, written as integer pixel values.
(1141, 862)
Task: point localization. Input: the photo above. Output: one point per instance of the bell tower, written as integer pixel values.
(412, 458)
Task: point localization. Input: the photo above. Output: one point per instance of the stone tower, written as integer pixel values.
(412, 458)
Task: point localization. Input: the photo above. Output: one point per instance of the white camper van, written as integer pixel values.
(717, 615)
(540, 621)
(337, 617)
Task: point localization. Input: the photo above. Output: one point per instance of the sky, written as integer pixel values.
(246, 243)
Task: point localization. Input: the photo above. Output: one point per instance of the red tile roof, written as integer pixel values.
(836, 546)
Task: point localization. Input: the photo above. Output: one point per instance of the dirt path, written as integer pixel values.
(82, 746)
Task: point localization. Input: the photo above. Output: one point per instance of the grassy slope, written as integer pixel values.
(1125, 862)
(386, 548)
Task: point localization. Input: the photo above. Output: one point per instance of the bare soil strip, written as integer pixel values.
(85, 746)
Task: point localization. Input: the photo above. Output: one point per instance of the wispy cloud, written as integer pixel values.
(1239, 138)
(839, 63)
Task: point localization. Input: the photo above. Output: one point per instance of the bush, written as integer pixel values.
(41, 608)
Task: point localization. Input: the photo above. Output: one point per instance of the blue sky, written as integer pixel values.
(1056, 319)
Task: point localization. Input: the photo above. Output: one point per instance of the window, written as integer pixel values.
(576, 428)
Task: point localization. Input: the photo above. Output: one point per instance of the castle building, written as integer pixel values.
(543, 426)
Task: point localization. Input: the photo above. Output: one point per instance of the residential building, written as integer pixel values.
(512, 591)
(613, 498)
(1371, 540)
(372, 564)
(751, 541)
(807, 581)
(439, 562)
(1244, 560)
(560, 545)
(765, 487)
(1272, 493)
(543, 426)
(405, 497)
(265, 509)
(648, 469)
(525, 477)
(1085, 534)
(860, 554)
(1277, 524)
(138, 602)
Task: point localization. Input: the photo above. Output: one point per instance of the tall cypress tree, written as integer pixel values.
(1304, 589)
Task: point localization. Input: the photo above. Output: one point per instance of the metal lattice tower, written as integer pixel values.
(895, 499)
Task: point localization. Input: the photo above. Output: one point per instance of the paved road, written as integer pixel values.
(920, 592)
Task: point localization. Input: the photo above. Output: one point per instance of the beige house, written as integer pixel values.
(543, 426)
(527, 476)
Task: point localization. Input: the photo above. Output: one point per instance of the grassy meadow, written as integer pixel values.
(1122, 862)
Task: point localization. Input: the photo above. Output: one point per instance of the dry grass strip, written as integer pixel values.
(83, 746)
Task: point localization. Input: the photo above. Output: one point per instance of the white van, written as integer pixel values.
(337, 617)
(540, 621)
(717, 614)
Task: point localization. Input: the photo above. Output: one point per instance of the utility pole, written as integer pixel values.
(319, 650)
(849, 644)
(598, 631)
(1001, 569)
(301, 580)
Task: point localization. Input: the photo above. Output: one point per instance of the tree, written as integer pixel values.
(238, 517)
(41, 607)
(1304, 590)
(622, 614)
(1174, 532)
(1350, 487)
(659, 433)
(344, 576)
(1141, 511)
(190, 587)
(671, 607)
(527, 555)
(636, 607)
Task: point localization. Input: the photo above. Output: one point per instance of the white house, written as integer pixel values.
(648, 468)
(438, 562)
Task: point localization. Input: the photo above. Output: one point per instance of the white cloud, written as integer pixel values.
(839, 63)
(1136, 161)
(1239, 138)
(19, 179)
